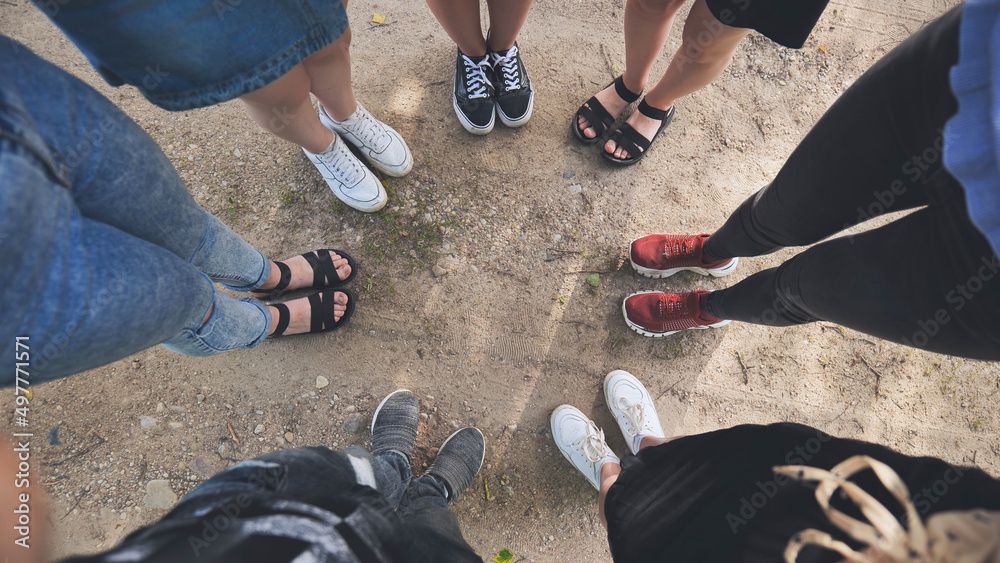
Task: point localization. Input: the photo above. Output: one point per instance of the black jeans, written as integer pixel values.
(929, 279)
(254, 509)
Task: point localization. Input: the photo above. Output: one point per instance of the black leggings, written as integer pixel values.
(927, 280)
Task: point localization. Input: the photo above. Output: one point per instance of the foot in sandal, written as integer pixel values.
(598, 113)
(320, 312)
(321, 269)
(630, 142)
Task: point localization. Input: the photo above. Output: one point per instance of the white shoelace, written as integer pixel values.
(475, 77)
(633, 414)
(509, 68)
(369, 131)
(592, 443)
(342, 163)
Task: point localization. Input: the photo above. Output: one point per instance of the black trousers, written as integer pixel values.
(930, 279)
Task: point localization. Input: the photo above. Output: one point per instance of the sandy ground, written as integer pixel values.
(512, 330)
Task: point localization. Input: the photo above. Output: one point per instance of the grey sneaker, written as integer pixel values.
(459, 459)
(394, 424)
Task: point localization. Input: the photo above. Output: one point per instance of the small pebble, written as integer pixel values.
(354, 423)
(258, 429)
(289, 437)
(321, 382)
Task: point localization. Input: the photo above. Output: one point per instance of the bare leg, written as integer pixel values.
(706, 51)
(329, 74)
(506, 19)
(284, 108)
(609, 474)
(647, 25)
(460, 20)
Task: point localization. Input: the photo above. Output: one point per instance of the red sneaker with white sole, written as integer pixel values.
(661, 256)
(651, 313)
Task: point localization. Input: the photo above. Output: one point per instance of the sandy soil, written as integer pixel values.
(512, 330)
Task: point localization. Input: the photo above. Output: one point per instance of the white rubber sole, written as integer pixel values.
(645, 332)
(714, 272)
(382, 404)
(519, 121)
(468, 125)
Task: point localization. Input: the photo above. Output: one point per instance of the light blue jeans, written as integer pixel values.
(103, 252)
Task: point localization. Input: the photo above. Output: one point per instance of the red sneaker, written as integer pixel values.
(651, 313)
(661, 256)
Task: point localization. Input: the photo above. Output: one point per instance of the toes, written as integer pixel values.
(610, 147)
(340, 299)
(344, 271)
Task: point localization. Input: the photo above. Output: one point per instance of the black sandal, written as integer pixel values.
(629, 139)
(597, 115)
(322, 317)
(325, 275)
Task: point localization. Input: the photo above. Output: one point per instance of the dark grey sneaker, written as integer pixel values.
(473, 96)
(394, 424)
(514, 97)
(458, 460)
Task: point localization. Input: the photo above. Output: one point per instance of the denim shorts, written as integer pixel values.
(186, 54)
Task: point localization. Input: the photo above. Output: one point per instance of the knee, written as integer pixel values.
(656, 9)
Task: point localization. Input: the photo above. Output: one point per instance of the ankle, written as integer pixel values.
(704, 311)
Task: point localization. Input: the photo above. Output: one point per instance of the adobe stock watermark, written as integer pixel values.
(691, 51)
(264, 477)
(767, 490)
(957, 299)
(913, 169)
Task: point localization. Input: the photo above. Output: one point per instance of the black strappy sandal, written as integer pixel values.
(322, 317)
(325, 275)
(597, 115)
(629, 139)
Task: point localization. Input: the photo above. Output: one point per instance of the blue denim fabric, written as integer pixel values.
(185, 54)
(102, 250)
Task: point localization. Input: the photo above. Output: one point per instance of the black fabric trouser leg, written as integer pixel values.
(928, 280)
(432, 525)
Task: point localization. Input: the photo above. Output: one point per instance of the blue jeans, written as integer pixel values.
(103, 251)
(185, 54)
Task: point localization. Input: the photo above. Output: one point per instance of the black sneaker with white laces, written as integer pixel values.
(514, 97)
(474, 96)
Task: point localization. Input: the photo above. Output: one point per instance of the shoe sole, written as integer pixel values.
(520, 120)
(468, 125)
(645, 332)
(382, 404)
(714, 272)
(607, 401)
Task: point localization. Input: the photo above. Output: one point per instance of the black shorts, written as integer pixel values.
(713, 497)
(787, 22)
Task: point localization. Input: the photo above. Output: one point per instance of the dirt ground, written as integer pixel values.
(518, 219)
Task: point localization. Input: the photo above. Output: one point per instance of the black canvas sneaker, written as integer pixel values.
(514, 96)
(474, 97)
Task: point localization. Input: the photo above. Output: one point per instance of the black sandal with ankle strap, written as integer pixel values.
(629, 139)
(325, 275)
(322, 317)
(596, 114)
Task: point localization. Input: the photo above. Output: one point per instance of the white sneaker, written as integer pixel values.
(581, 442)
(384, 148)
(349, 179)
(632, 406)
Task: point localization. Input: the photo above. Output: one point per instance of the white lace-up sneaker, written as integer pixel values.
(350, 180)
(581, 442)
(384, 148)
(632, 406)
